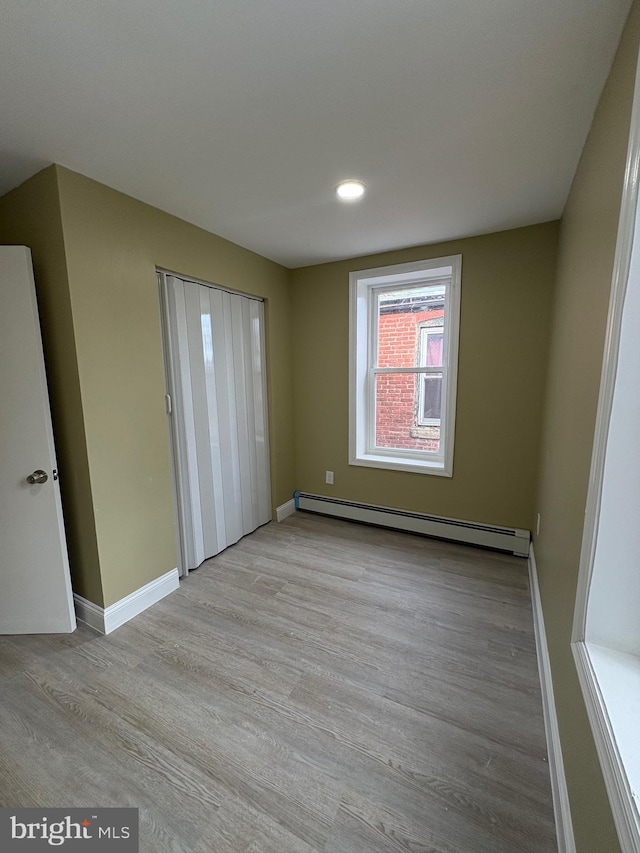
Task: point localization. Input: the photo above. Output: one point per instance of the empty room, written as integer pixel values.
(319, 322)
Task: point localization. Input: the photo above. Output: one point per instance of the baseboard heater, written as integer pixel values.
(485, 535)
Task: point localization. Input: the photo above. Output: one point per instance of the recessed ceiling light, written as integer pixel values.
(350, 190)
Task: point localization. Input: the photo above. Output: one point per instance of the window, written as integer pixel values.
(606, 633)
(404, 353)
(430, 384)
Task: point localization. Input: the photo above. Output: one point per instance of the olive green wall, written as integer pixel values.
(507, 281)
(113, 244)
(586, 253)
(30, 216)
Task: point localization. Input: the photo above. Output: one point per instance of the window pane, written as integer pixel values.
(431, 398)
(397, 413)
(432, 342)
(402, 316)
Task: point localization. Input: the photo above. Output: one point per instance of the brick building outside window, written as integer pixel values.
(408, 406)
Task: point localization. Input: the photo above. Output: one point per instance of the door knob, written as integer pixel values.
(38, 476)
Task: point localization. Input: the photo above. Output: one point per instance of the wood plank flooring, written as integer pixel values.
(320, 687)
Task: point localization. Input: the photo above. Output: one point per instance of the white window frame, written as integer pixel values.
(423, 336)
(363, 286)
(605, 640)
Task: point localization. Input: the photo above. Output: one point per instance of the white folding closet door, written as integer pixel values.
(217, 363)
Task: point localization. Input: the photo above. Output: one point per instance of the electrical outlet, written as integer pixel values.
(328, 477)
(538, 524)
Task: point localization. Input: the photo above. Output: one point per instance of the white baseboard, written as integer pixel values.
(561, 807)
(89, 613)
(285, 510)
(510, 539)
(106, 620)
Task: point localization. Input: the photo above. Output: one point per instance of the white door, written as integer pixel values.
(35, 586)
(216, 367)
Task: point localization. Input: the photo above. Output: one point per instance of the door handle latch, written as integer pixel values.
(38, 476)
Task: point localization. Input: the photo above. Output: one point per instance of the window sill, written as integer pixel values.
(425, 431)
(618, 676)
(416, 466)
(611, 687)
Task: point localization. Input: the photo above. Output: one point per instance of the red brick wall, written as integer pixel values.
(396, 398)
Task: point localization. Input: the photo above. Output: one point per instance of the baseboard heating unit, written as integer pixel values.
(486, 535)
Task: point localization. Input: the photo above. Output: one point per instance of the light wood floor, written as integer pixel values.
(320, 686)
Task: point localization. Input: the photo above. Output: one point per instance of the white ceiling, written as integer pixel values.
(462, 116)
